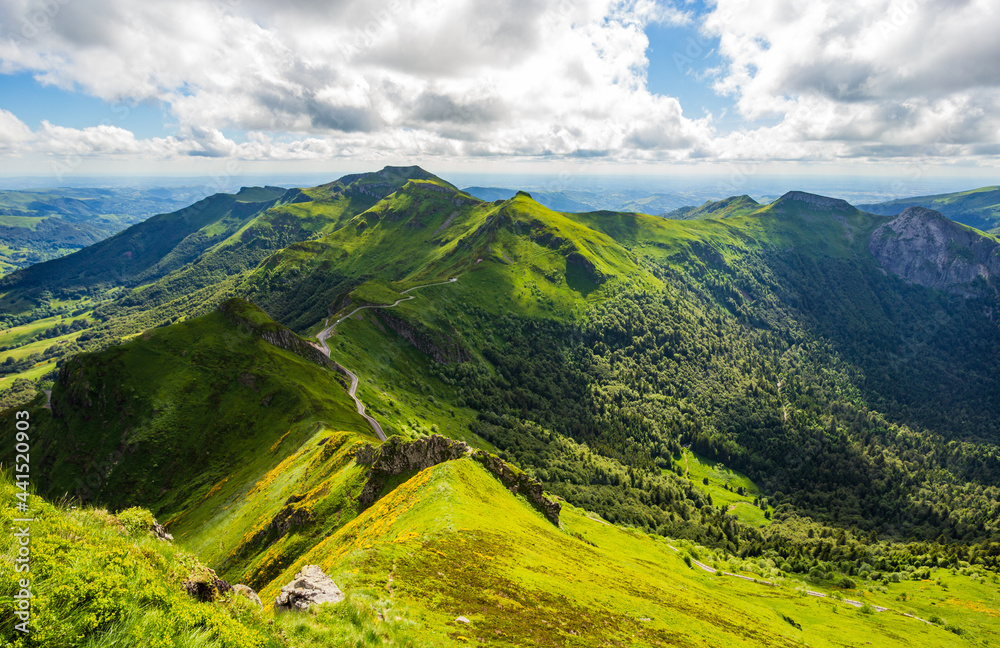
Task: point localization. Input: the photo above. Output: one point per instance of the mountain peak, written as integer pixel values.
(814, 200)
(925, 247)
(921, 212)
(412, 172)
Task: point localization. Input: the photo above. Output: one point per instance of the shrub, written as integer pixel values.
(136, 520)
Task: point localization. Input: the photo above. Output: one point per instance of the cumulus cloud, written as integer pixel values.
(13, 132)
(518, 77)
(311, 79)
(884, 79)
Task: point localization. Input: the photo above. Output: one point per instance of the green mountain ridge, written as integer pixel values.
(734, 206)
(791, 342)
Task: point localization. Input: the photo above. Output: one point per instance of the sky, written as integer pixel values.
(869, 88)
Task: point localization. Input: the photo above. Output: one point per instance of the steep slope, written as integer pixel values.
(733, 206)
(97, 577)
(979, 208)
(428, 231)
(171, 281)
(162, 418)
(447, 557)
(926, 248)
(468, 563)
(588, 349)
(751, 337)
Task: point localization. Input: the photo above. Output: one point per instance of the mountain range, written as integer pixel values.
(748, 425)
(38, 225)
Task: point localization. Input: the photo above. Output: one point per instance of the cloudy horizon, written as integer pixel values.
(905, 88)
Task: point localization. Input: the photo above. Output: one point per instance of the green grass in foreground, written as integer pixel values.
(451, 542)
(100, 580)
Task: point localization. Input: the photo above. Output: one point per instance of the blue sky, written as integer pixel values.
(33, 102)
(579, 86)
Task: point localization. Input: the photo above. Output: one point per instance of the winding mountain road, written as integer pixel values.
(325, 348)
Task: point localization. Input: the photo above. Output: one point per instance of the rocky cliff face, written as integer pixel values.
(395, 457)
(250, 318)
(926, 248)
(442, 348)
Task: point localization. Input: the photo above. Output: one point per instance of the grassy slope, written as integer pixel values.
(698, 468)
(151, 248)
(36, 226)
(733, 206)
(509, 259)
(452, 542)
(161, 419)
(101, 581)
(185, 263)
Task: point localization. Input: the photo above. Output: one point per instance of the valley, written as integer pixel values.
(403, 384)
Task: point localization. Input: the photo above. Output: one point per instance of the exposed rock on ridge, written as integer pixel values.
(249, 318)
(395, 457)
(924, 247)
(440, 347)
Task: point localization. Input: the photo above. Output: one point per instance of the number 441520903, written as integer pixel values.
(21, 460)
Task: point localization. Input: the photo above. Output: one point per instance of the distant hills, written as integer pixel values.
(39, 225)
(979, 208)
(584, 201)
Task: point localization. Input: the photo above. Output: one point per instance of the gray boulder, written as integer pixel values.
(247, 592)
(310, 587)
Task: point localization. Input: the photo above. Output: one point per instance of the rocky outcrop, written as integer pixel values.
(290, 516)
(395, 457)
(310, 587)
(248, 593)
(519, 482)
(160, 532)
(253, 320)
(440, 347)
(924, 247)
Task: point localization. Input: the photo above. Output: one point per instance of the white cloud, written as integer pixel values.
(314, 79)
(13, 132)
(885, 78)
(520, 77)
